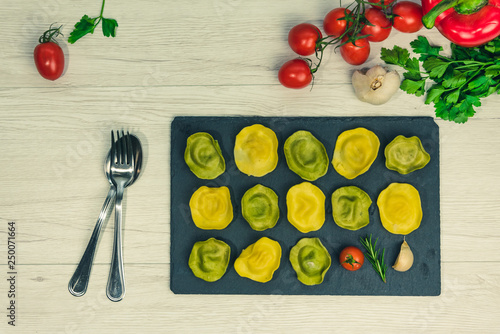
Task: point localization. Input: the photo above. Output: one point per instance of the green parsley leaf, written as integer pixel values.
(453, 96)
(396, 56)
(421, 46)
(87, 25)
(436, 67)
(83, 27)
(413, 87)
(458, 79)
(434, 94)
(109, 27)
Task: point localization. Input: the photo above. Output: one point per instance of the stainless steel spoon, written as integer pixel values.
(79, 281)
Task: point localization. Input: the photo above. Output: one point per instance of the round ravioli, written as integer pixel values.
(209, 259)
(405, 155)
(259, 261)
(350, 207)
(211, 208)
(256, 150)
(310, 260)
(306, 156)
(355, 151)
(259, 207)
(306, 207)
(204, 156)
(400, 208)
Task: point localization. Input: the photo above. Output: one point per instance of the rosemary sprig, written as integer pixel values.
(373, 255)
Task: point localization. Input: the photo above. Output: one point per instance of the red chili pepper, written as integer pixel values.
(467, 23)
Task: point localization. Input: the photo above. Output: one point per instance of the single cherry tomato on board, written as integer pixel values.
(303, 38)
(355, 54)
(351, 258)
(381, 3)
(48, 55)
(381, 27)
(295, 73)
(408, 16)
(334, 23)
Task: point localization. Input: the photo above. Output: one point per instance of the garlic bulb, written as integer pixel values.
(376, 86)
(405, 258)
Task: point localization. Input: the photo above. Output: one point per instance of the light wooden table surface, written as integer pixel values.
(216, 57)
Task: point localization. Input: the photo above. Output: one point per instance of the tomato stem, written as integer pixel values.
(50, 34)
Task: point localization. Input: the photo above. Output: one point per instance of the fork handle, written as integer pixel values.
(80, 280)
(115, 289)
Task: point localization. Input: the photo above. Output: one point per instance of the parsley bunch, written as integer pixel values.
(460, 81)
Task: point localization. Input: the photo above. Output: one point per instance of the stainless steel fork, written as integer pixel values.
(122, 173)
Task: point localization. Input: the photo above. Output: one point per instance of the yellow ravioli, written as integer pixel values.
(355, 151)
(259, 261)
(306, 207)
(256, 150)
(211, 208)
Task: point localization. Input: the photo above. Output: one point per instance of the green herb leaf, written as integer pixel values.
(109, 27)
(87, 25)
(83, 27)
(453, 96)
(434, 94)
(413, 87)
(458, 79)
(421, 45)
(436, 67)
(396, 56)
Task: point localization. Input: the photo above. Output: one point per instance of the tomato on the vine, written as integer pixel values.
(351, 258)
(381, 3)
(48, 55)
(408, 16)
(357, 53)
(303, 38)
(295, 73)
(334, 23)
(381, 27)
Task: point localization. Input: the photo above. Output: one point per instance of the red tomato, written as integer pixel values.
(355, 54)
(334, 24)
(351, 258)
(295, 73)
(49, 60)
(303, 38)
(381, 25)
(408, 16)
(381, 3)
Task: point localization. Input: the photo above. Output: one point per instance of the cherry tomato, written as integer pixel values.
(295, 73)
(381, 25)
(381, 3)
(409, 16)
(351, 258)
(334, 24)
(48, 55)
(355, 54)
(303, 37)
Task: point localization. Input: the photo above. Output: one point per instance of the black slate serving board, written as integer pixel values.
(423, 279)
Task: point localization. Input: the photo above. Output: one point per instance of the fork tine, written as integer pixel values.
(118, 148)
(113, 151)
(130, 151)
(124, 149)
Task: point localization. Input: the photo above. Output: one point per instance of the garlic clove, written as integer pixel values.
(376, 86)
(405, 258)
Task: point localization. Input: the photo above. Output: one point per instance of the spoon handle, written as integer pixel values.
(80, 280)
(115, 289)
